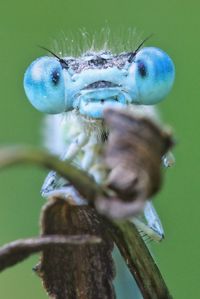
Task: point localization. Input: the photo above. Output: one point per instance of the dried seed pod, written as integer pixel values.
(84, 271)
(133, 156)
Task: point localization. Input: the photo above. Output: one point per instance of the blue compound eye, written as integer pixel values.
(44, 85)
(154, 75)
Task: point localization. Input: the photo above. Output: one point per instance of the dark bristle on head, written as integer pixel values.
(133, 54)
(63, 62)
(103, 58)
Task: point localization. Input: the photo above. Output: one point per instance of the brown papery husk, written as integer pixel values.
(134, 154)
(80, 272)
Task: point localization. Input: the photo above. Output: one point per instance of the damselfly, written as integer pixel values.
(76, 90)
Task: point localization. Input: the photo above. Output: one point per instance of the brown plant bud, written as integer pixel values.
(133, 156)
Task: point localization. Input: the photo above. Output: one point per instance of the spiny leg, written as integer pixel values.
(92, 162)
(56, 184)
(153, 228)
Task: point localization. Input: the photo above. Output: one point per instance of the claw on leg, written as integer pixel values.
(168, 160)
(153, 228)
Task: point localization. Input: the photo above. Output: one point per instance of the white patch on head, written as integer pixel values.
(37, 70)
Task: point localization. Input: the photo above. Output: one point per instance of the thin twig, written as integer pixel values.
(13, 155)
(15, 252)
(139, 260)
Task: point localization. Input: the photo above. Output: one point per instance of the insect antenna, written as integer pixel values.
(62, 61)
(132, 54)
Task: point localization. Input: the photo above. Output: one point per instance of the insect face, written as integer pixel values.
(97, 80)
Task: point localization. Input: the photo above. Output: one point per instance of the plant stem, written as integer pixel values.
(10, 156)
(125, 234)
(15, 252)
(139, 260)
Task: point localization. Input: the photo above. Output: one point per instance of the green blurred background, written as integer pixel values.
(176, 26)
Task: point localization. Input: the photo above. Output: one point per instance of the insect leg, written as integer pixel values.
(90, 155)
(92, 160)
(168, 159)
(153, 228)
(76, 146)
(53, 182)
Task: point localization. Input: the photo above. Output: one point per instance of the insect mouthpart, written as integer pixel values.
(101, 84)
(92, 101)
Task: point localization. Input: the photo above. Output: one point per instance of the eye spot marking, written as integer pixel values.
(142, 69)
(55, 77)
